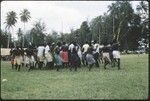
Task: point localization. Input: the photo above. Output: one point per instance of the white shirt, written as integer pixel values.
(40, 50)
(101, 46)
(47, 49)
(96, 47)
(71, 46)
(85, 47)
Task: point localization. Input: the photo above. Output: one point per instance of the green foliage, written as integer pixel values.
(84, 32)
(25, 15)
(120, 22)
(11, 20)
(37, 32)
(3, 38)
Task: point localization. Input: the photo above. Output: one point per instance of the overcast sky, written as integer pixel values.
(57, 15)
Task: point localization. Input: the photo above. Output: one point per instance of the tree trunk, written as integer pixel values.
(8, 41)
(9, 38)
(23, 36)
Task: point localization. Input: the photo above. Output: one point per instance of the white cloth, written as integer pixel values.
(85, 47)
(80, 54)
(96, 48)
(29, 60)
(71, 46)
(116, 54)
(47, 48)
(101, 46)
(40, 50)
(49, 57)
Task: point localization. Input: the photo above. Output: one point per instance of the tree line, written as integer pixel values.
(120, 22)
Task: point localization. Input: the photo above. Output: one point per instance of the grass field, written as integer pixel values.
(131, 82)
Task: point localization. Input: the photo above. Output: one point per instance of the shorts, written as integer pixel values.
(29, 60)
(106, 56)
(40, 58)
(49, 57)
(18, 60)
(116, 54)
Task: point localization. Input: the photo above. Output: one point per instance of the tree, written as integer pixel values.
(11, 20)
(24, 16)
(121, 12)
(37, 32)
(84, 32)
(20, 35)
(142, 9)
(4, 38)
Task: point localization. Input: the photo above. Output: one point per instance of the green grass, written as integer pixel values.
(131, 82)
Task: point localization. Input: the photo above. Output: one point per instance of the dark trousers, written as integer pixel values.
(58, 67)
(75, 68)
(84, 59)
(90, 66)
(116, 61)
(96, 55)
(40, 65)
(49, 65)
(18, 67)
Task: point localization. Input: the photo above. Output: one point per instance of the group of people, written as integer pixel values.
(61, 55)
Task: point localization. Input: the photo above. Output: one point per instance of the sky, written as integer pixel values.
(60, 16)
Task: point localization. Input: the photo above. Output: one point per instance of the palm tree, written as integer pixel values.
(10, 22)
(25, 16)
(19, 33)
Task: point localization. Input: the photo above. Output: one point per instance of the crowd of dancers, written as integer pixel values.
(59, 55)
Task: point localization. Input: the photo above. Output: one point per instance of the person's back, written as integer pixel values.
(85, 47)
(29, 52)
(90, 57)
(18, 58)
(75, 60)
(17, 52)
(116, 54)
(71, 46)
(65, 56)
(40, 50)
(40, 55)
(115, 46)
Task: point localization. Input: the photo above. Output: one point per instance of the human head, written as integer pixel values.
(86, 42)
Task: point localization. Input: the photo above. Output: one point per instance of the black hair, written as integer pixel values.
(64, 43)
(86, 42)
(89, 50)
(74, 50)
(94, 41)
(114, 41)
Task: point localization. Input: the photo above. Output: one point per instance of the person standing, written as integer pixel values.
(100, 53)
(90, 58)
(58, 59)
(74, 59)
(12, 56)
(96, 52)
(18, 58)
(64, 56)
(106, 55)
(70, 49)
(84, 50)
(116, 53)
(30, 61)
(79, 52)
(40, 55)
(48, 56)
